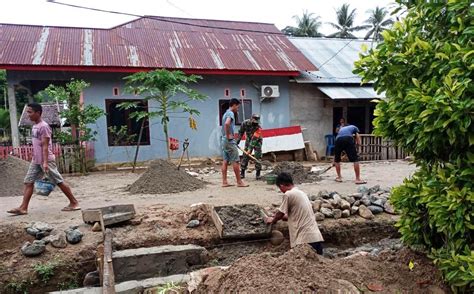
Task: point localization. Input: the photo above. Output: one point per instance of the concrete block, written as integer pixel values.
(160, 261)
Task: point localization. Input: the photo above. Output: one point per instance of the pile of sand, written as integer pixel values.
(301, 270)
(163, 177)
(296, 170)
(12, 174)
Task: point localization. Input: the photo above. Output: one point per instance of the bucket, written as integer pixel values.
(271, 179)
(44, 187)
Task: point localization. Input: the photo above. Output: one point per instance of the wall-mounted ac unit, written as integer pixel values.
(270, 91)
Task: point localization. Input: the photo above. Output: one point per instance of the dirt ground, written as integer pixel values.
(12, 173)
(161, 219)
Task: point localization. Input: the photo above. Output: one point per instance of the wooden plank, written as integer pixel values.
(100, 262)
(111, 214)
(108, 285)
(217, 222)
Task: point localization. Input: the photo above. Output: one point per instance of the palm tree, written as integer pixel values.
(345, 22)
(308, 26)
(377, 22)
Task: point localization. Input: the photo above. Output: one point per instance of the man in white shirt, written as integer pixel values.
(298, 211)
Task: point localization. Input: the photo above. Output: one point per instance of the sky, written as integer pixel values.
(278, 12)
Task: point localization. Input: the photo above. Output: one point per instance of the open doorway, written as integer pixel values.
(356, 117)
(337, 114)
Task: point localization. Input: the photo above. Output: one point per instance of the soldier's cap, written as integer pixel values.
(256, 116)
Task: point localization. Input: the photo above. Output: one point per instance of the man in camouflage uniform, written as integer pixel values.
(253, 142)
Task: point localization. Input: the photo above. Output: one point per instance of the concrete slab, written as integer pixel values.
(160, 261)
(131, 287)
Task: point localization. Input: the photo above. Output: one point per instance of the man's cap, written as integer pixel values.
(256, 116)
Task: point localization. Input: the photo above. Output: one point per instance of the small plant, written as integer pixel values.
(45, 270)
(169, 288)
(18, 287)
(71, 284)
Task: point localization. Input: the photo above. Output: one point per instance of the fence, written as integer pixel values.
(377, 148)
(65, 155)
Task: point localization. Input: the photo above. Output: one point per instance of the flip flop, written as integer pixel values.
(243, 186)
(361, 182)
(339, 180)
(16, 211)
(227, 185)
(69, 208)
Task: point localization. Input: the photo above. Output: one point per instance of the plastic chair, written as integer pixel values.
(329, 144)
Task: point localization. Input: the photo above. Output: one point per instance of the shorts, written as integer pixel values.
(35, 172)
(317, 246)
(346, 144)
(229, 150)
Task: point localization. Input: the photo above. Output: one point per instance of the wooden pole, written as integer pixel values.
(108, 286)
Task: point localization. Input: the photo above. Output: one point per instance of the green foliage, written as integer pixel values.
(45, 271)
(345, 23)
(164, 87)
(424, 65)
(16, 287)
(77, 115)
(4, 121)
(169, 288)
(307, 26)
(3, 84)
(120, 136)
(71, 284)
(377, 22)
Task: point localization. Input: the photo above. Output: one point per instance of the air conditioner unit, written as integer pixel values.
(270, 91)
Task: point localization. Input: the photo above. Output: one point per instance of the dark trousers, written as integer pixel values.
(317, 246)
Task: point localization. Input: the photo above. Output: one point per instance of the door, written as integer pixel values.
(337, 114)
(356, 117)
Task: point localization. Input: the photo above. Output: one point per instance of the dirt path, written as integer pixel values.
(101, 189)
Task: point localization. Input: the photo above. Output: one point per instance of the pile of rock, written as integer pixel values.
(206, 171)
(45, 234)
(199, 215)
(366, 202)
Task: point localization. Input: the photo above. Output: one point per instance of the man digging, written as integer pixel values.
(298, 211)
(345, 142)
(230, 152)
(42, 163)
(253, 142)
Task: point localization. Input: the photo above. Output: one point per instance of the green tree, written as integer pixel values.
(4, 121)
(345, 23)
(3, 88)
(307, 26)
(378, 22)
(78, 115)
(425, 66)
(165, 88)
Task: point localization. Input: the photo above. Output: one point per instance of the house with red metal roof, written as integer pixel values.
(250, 61)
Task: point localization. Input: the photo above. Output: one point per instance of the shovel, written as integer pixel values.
(251, 156)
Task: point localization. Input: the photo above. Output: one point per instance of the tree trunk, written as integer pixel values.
(138, 145)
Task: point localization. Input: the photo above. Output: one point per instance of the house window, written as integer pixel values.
(116, 91)
(226, 93)
(245, 110)
(122, 130)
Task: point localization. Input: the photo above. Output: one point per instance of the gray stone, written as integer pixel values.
(41, 226)
(374, 189)
(317, 205)
(326, 205)
(351, 200)
(33, 249)
(354, 209)
(365, 212)
(40, 235)
(319, 216)
(345, 204)
(365, 200)
(337, 213)
(357, 195)
(389, 208)
(363, 190)
(327, 212)
(58, 241)
(378, 202)
(193, 223)
(357, 203)
(334, 203)
(346, 213)
(73, 236)
(324, 194)
(373, 198)
(375, 209)
(337, 197)
(32, 231)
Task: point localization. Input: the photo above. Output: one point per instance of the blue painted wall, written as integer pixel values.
(203, 142)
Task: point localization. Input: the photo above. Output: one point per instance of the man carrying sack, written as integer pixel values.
(253, 142)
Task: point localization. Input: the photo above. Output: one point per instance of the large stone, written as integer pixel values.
(374, 189)
(389, 208)
(346, 213)
(144, 263)
(357, 203)
(324, 194)
(345, 204)
(73, 236)
(56, 240)
(327, 212)
(357, 196)
(363, 190)
(326, 205)
(317, 205)
(378, 202)
(375, 209)
(366, 201)
(351, 200)
(334, 203)
(277, 238)
(337, 197)
(319, 216)
(365, 212)
(32, 231)
(342, 286)
(193, 223)
(33, 249)
(41, 226)
(337, 213)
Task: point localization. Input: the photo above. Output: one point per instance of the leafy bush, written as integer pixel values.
(424, 66)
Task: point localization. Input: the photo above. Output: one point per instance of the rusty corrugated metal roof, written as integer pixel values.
(154, 42)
